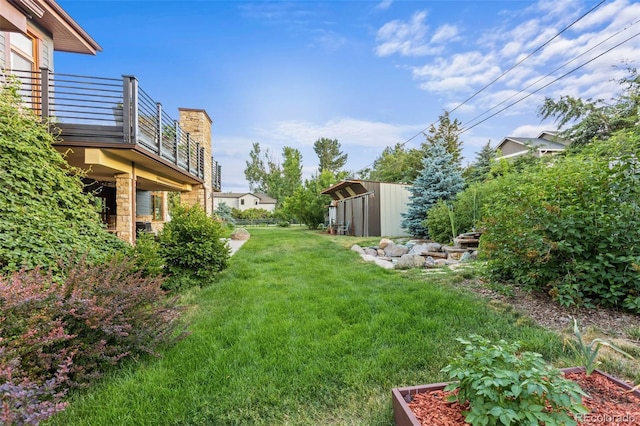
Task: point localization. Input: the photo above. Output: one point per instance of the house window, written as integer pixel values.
(242, 202)
(23, 61)
(157, 201)
(255, 202)
(23, 52)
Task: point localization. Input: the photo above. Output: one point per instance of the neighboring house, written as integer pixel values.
(367, 208)
(244, 201)
(133, 152)
(545, 144)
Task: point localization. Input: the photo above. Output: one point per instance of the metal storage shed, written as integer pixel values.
(372, 209)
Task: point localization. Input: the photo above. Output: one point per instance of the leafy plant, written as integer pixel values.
(504, 388)
(589, 352)
(45, 213)
(570, 227)
(96, 315)
(25, 401)
(192, 247)
(146, 255)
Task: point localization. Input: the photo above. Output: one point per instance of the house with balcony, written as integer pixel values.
(134, 153)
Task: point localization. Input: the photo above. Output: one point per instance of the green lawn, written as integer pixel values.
(300, 331)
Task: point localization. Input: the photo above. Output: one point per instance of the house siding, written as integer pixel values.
(46, 59)
(510, 148)
(3, 50)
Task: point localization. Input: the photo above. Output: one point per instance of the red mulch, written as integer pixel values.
(608, 404)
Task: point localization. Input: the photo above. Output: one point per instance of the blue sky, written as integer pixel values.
(368, 73)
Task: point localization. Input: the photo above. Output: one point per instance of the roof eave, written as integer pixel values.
(68, 35)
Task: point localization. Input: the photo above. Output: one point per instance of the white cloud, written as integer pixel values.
(362, 140)
(445, 33)
(329, 41)
(406, 38)
(457, 74)
(384, 4)
(531, 130)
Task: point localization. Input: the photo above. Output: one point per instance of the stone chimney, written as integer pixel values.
(198, 124)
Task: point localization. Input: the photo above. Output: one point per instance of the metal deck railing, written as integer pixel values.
(100, 110)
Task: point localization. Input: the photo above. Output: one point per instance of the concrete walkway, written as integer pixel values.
(234, 245)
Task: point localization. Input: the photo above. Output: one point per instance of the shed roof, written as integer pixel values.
(346, 189)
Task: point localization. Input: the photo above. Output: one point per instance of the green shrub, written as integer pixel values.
(146, 255)
(571, 227)
(504, 388)
(438, 223)
(466, 209)
(192, 247)
(45, 213)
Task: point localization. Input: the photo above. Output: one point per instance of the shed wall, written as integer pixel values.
(394, 199)
(373, 208)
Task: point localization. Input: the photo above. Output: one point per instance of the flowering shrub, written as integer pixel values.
(57, 333)
(25, 402)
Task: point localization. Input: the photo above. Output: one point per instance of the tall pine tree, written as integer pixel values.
(479, 170)
(440, 179)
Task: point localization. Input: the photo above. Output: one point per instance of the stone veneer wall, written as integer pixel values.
(196, 196)
(198, 124)
(124, 207)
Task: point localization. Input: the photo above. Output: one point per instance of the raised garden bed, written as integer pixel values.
(611, 401)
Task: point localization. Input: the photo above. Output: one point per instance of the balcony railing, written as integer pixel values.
(111, 111)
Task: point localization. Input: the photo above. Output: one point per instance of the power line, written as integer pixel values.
(552, 72)
(528, 56)
(500, 76)
(550, 83)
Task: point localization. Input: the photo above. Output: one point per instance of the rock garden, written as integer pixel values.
(421, 253)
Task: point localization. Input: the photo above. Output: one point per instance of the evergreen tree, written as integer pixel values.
(479, 170)
(590, 120)
(446, 134)
(440, 179)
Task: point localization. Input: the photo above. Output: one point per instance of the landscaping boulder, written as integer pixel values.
(395, 250)
(409, 261)
(384, 242)
(418, 249)
(371, 251)
(240, 234)
(433, 247)
(429, 262)
(357, 249)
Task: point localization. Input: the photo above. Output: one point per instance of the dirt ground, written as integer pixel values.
(547, 313)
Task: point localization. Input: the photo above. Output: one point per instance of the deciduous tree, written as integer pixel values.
(397, 164)
(329, 155)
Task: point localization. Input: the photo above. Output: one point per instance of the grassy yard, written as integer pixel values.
(300, 331)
